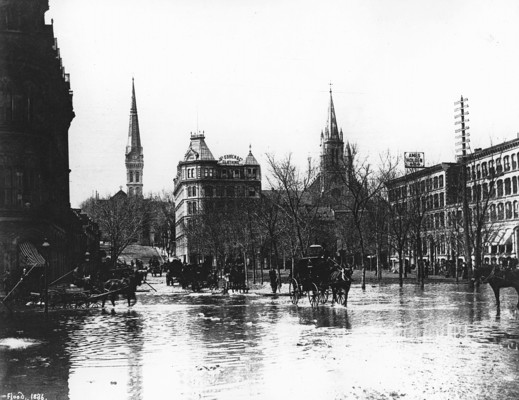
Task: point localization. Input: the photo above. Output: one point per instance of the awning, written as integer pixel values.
(502, 236)
(30, 255)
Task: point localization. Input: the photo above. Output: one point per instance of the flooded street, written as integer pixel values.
(441, 343)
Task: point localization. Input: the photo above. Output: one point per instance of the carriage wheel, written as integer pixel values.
(313, 295)
(324, 295)
(294, 291)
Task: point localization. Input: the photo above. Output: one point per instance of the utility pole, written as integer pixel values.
(462, 146)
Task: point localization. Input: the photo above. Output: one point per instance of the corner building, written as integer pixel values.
(35, 115)
(200, 177)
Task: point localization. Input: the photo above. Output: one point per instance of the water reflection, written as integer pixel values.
(443, 342)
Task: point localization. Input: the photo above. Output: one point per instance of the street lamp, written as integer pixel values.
(46, 251)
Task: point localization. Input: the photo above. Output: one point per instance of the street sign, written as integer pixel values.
(461, 108)
(460, 122)
(459, 143)
(414, 160)
(461, 129)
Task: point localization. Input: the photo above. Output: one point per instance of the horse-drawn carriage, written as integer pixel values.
(198, 277)
(86, 292)
(316, 276)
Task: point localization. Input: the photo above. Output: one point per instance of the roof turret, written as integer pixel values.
(250, 159)
(198, 149)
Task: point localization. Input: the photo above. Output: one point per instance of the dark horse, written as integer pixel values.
(340, 282)
(497, 278)
(126, 286)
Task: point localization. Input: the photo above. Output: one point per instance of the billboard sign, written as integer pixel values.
(414, 160)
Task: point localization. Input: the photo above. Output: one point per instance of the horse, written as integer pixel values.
(340, 282)
(126, 286)
(497, 279)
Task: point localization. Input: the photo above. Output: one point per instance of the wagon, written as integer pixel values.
(316, 276)
(70, 296)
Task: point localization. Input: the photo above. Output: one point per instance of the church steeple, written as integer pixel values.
(134, 154)
(332, 151)
(331, 130)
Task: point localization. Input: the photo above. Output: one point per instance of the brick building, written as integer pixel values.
(201, 178)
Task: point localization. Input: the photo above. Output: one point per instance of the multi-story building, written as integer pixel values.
(35, 115)
(424, 196)
(492, 187)
(201, 178)
(492, 176)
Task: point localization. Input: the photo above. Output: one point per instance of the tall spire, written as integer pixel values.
(134, 137)
(331, 126)
(134, 152)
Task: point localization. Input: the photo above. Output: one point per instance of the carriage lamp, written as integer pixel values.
(46, 250)
(87, 256)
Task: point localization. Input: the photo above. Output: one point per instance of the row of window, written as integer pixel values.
(225, 173)
(135, 175)
(499, 188)
(430, 202)
(423, 186)
(221, 191)
(488, 168)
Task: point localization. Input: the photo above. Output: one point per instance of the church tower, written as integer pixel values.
(134, 155)
(333, 166)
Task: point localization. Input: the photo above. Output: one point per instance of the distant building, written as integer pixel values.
(134, 158)
(492, 193)
(201, 177)
(35, 115)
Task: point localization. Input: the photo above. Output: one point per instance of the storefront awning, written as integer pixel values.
(501, 236)
(30, 255)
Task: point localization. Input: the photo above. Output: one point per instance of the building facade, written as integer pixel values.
(492, 176)
(134, 157)
(201, 178)
(35, 115)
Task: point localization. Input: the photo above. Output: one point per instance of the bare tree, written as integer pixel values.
(120, 220)
(293, 191)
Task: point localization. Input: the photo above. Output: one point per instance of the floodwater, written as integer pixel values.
(444, 342)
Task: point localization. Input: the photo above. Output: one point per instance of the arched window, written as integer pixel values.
(493, 215)
(131, 176)
(508, 186)
(131, 191)
(508, 210)
(506, 161)
(499, 188)
(514, 185)
(516, 209)
(441, 181)
(500, 211)
(435, 182)
(499, 167)
(136, 177)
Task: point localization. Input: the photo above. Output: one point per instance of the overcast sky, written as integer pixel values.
(258, 71)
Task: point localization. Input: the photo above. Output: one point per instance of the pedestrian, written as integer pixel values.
(273, 279)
